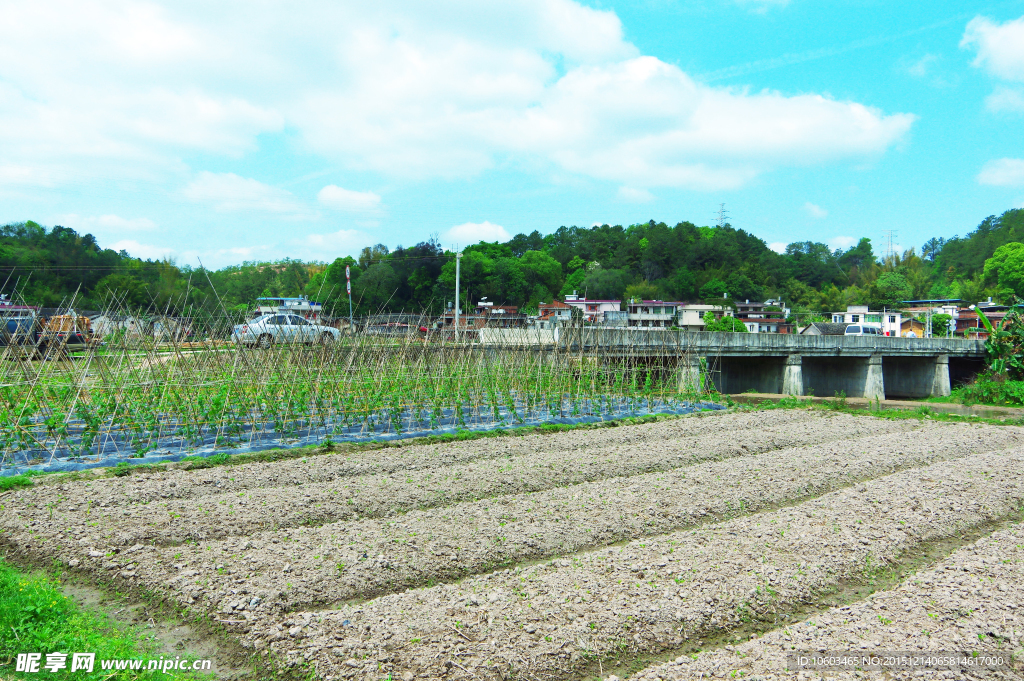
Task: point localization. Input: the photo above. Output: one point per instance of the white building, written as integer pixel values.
(691, 315)
(593, 310)
(887, 320)
(302, 306)
(663, 314)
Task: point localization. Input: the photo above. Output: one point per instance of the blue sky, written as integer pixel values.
(311, 129)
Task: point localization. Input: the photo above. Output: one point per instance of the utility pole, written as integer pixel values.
(348, 285)
(458, 261)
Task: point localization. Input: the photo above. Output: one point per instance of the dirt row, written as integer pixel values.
(778, 429)
(650, 595)
(364, 558)
(342, 561)
(973, 601)
(173, 521)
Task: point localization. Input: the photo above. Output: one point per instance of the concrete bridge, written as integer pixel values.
(874, 367)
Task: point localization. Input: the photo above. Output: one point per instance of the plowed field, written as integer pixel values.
(709, 546)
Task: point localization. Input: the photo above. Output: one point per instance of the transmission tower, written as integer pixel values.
(722, 214)
(891, 234)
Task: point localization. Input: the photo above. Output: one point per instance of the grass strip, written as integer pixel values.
(36, 617)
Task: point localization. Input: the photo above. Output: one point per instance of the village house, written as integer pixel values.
(888, 321)
(593, 310)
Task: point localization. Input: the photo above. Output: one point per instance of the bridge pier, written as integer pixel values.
(874, 379)
(793, 376)
(689, 369)
(941, 386)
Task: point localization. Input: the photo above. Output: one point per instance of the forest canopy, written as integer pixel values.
(53, 267)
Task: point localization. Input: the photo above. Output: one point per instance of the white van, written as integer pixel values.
(863, 330)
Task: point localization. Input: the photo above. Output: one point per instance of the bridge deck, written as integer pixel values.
(752, 344)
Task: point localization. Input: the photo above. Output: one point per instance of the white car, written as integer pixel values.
(264, 331)
(863, 330)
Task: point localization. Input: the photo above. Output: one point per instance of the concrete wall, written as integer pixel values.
(714, 344)
(826, 376)
(518, 337)
(742, 374)
(908, 376)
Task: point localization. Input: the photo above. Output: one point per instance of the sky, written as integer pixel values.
(233, 131)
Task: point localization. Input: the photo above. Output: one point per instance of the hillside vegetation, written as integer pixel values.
(647, 260)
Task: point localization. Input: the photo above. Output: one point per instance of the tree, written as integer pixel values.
(374, 290)
(1006, 268)
(682, 285)
(541, 269)
(372, 254)
(942, 325)
(715, 288)
(641, 291)
(123, 291)
(507, 283)
(931, 248)
(728, 324)
(605, 284)
(740, 287)
(889, 290)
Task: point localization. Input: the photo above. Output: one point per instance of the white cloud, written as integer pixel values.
(470, 233)
(106, 223)
(228, 192)
(922, 66)
(1005, 99)
(635, 195)
(815, 211)
(346, 199)
(842, 242)
(1000, 47)
(1003, 172)
(144, 251)
(20, 175)
(327, 247)
(777, 246)
(404, 89)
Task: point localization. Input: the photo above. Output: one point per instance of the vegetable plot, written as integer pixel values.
(134, 398)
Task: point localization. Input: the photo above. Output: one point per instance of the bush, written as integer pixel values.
(13, 481)
(990, 389)
(723, 324)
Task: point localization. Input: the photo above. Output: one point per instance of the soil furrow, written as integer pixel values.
(371, 557)
(652, 594)
(323, 468)
(970, 602)
(314, 504)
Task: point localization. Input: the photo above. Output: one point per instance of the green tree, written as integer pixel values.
(122, 291)
(605, 284)
(715, 288)
(889, 289)
(643, 290)
(541, 269)
(375, 289)
(1006, 268)
(728, 324)
(942, 325)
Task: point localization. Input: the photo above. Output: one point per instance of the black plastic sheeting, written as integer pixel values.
(113, 449)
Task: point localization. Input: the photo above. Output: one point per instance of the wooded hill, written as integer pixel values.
(50, 267)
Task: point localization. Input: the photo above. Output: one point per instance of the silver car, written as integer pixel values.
(264, 331)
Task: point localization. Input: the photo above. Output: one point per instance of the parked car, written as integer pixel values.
(863, 330)
(269, 329)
